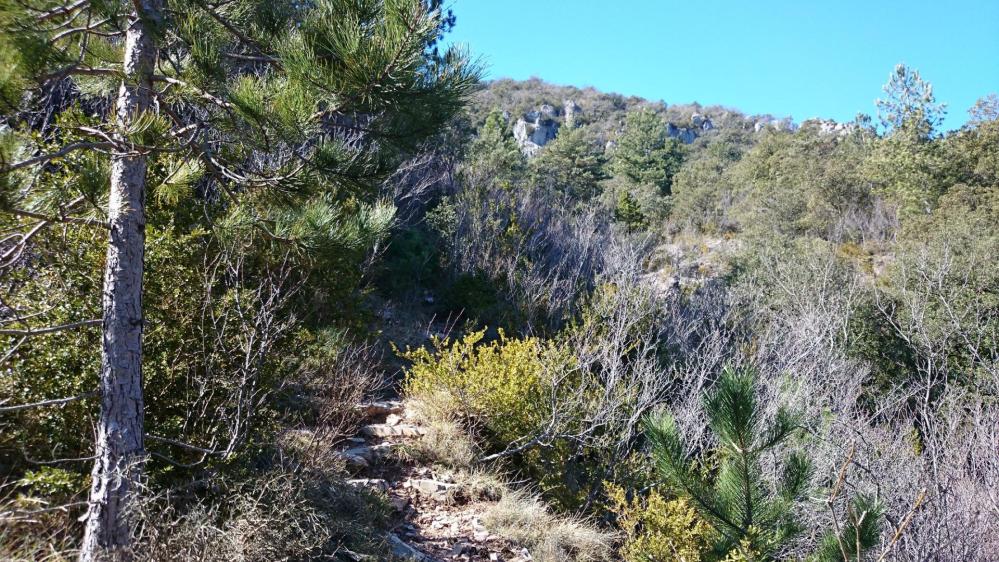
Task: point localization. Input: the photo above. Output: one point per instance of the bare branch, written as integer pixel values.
(45, 403)
(50, 329)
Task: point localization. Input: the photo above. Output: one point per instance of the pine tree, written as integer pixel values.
(573, 164)
(727, 486)
(909, 103)
(494, 158)
(645, 154)
(906, 165)
(277, 109)
(629, 213)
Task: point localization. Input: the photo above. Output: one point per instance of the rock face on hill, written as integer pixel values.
(573, 113)
(828, 127)
(785, 124)
(536, 129)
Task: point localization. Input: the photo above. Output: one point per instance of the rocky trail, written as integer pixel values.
(435, 520)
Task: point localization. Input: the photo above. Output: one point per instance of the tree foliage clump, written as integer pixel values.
(645, 153)
(502, 385)
(572, 164)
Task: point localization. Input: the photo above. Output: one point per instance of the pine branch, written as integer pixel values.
(50, 219)
(87, 29)
(45, 403)
(57, 154)
(62, 11)
(50, 329)
(243, 38)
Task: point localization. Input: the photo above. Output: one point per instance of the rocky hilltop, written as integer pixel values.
(536, 110)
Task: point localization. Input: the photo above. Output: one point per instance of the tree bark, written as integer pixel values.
(120, 449)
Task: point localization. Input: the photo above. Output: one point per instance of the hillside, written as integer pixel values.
(291, 281)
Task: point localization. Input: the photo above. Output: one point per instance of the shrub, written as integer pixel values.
(658, 529)
(509, 394)
(277, 516)
(499, 386)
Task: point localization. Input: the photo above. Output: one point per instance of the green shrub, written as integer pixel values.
(659, 530)
(504, 392)
(499, 386)
(55, 484)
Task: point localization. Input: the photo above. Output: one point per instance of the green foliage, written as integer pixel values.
(629, 213)
(753, 516)
(906, 164)
(572, 164)
(645, 154)
(944, 281)
(909, 103)
(503, 391)
(502, 384)
(273, 127)
(702, 190)
(736, 500)
(859, 535)
(986, 109)
(411, 261)
(796, 184)
(494, 159)
(55, 484)
(660, 530)
(474, 296)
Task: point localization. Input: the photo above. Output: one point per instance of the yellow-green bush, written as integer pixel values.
(660, 530)
(500, 386)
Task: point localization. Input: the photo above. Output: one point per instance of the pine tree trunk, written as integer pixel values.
(120, 450)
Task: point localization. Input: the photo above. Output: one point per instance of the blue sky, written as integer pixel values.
(800, 58)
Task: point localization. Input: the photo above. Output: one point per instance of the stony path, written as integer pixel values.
(434, 522)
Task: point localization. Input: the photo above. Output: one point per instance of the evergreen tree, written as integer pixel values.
(494, 157)
(727, 486)
(906, 165)
(645, 154)
(573, 164)
(285, 112)
(909, 103)
(629, 213)
(985, 110)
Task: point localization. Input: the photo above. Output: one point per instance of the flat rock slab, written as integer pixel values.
(433, 488)
(373, 483)
(403, 550)
(386, 430)
(380, 408)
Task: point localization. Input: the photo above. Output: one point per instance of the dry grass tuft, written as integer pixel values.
(446, 441)
(524, 519)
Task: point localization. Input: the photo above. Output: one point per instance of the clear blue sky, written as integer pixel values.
(805, 59)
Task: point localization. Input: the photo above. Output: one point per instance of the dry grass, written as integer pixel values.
(446, 441)
(524, 519)
(36, 544)
(280, 516)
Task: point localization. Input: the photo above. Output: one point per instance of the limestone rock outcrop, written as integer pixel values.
(536, 129)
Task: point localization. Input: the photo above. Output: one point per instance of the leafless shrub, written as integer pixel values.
(543, 255)
(325, 391)
(926, 435)
(424, 177)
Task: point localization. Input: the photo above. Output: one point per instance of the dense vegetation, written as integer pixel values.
(774, 342)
